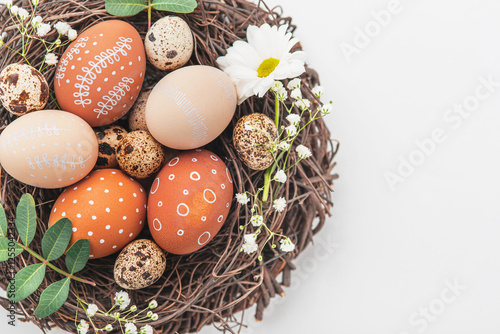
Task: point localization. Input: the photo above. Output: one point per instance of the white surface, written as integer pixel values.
(386, 259)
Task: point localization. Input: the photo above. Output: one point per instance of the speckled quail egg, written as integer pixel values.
(108, 138)
(23, 89)
(140, 264)
(169, 43)
(253, 137)
(139, 154)
(137, 118)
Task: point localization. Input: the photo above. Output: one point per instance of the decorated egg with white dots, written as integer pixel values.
(100, 75)
(107, 207)
(48, 149)
(189, 201)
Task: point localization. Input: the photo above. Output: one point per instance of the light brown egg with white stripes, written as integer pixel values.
(189, 201)
(107, 207)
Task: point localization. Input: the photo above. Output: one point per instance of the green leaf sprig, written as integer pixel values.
(134, 7)
(54, 244)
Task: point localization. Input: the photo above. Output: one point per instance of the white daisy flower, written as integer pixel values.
(36, 21)
(303, 104)
(282, 94)
(296, 94)
(72, 34)
(153, 304)
(294, 84)
(318, 91)
(291, 130)
(130, 328)
(242, 198)
(303, 151)
(122, 299)
(279, 204)
(154, 317)
(286, 245)
(7, 3)
(248, 127)
(277, 85)
(326, 109)
(82, 327)
(147, 329)
(284, 146)
(294, 119)
(280, 176)
(254, 66)
(257, 220)
(14, 9)
(43, 29)
(35, 2)
(108, 328)
(92, 310)
(3, 36)
(250, 244)
(23, 14)
(50, 59)
(62, 27)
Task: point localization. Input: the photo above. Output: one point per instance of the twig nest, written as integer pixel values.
(139, 154)
(254, 137)
(169, 43)
(137, 115)
(23, 89)
(140, 264)
(108, 139)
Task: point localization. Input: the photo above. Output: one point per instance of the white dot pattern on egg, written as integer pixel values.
(49, 165)
(107, 219)
(188, 201)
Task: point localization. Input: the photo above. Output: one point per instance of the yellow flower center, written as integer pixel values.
(267, 67)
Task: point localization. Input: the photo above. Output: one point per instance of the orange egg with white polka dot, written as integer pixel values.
(107, 207)
(189, 201)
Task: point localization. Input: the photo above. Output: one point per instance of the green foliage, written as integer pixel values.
(176, 6)
(56, 239)
(26, 281)
(54, 244)
(125, 7)
(26, 219)
(133, 7)
(52, 298)
(78, 255)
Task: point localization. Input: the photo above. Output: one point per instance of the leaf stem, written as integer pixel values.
(53, 267)
(149, 14)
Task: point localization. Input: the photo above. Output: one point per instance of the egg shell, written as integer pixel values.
(189, 201)
(48, 149)
(108, 139)
(137, 115)
(107, 207)
(23, 89)
(253, 146)
(140, 264)
(139, 154)
(169, 43)
(101, 73)
(190, 107)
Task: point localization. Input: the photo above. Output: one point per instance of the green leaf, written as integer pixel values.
(176, 6)
(3, 223)
(77, 256)
(53, 298)
(26, 219)
(9, 249)
(125, 7)
(56, 239)
(26, 281)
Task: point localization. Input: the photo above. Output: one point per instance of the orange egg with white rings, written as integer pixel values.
(189, 201)
(107, 207)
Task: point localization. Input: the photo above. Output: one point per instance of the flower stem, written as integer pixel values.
(149, 14)
(50, 265)
(267, 175)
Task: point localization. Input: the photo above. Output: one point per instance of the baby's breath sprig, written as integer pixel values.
(31, 27)
(120, 317)
(281, 148)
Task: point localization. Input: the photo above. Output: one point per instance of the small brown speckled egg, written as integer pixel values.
(140, 264)
(108, 138)
(23, 89)
(139, 154)
(252, 145)
(137, 118)
(169, 43)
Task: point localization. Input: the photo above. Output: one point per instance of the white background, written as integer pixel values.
(384, 262)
